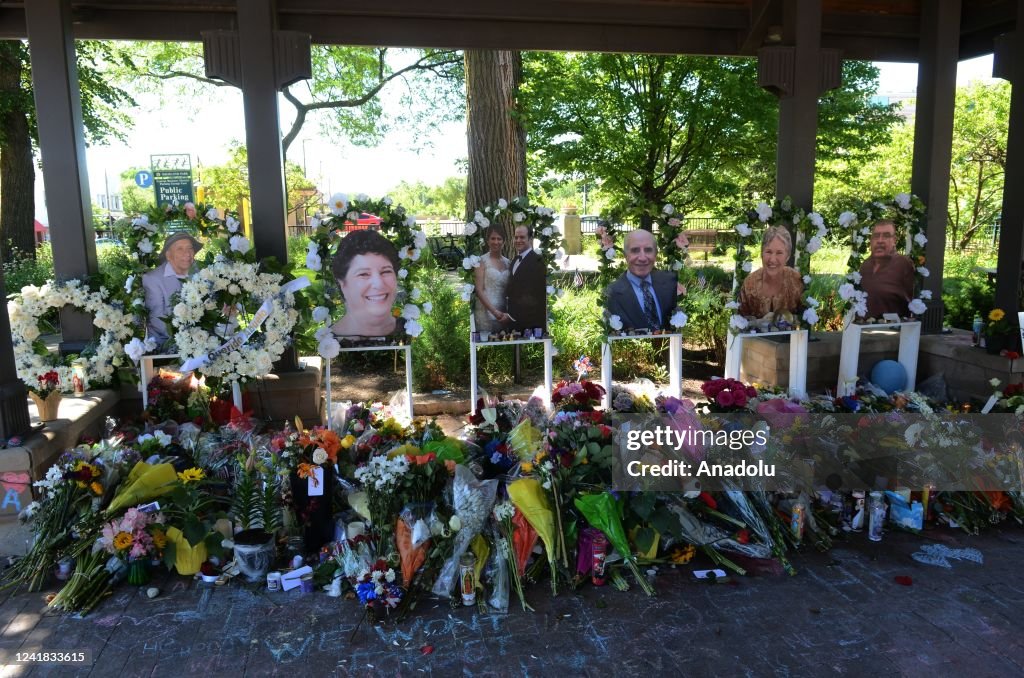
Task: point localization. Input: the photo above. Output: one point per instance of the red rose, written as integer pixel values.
(725, 398)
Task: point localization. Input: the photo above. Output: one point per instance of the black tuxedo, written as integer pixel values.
(622, 300)
(527, 293)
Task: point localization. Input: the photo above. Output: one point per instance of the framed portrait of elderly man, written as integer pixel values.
(643, 299)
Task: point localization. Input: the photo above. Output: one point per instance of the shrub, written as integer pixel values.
(21, 270)
(441, 352)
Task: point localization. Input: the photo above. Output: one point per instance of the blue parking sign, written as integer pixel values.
(143, 178)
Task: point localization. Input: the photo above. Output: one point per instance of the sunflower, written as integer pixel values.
(996, 314)
(159, 539)
(191, 475)
(122, 541)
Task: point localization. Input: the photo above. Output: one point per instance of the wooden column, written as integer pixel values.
(1009, 65)
(798, 112)
(933, 137)
(62, 147)
(256, 23)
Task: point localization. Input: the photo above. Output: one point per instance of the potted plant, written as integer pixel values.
(191, 511)
(46, 395)
(999, 334)
(256, 508)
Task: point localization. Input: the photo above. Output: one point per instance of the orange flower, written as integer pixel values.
(331, 443)
(421, 459)
(96, 488)
(304, 470)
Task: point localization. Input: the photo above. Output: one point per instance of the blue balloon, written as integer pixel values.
(889, 376)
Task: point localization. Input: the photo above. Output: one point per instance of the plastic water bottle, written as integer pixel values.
(977, 326)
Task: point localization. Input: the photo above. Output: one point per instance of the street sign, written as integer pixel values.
(143, 178)
(172, 178)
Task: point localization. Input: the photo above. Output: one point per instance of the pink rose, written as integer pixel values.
(682, 241)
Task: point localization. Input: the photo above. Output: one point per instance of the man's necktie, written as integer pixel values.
(515, 262)
(650, 310)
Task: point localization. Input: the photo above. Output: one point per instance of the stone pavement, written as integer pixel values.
(844, 612)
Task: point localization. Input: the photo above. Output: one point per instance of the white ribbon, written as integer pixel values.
(243, 335)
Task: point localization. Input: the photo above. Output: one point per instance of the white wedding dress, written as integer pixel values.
(495, 284)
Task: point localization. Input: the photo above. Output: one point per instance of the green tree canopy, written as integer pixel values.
(444, 201)
(694, 131)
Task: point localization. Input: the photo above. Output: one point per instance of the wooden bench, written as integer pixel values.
(702, 240)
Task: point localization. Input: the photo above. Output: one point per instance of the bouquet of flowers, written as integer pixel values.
(576, 396)
(727, 395)
(300, 450)
(134, 536)
(377, 589)
(472, 500)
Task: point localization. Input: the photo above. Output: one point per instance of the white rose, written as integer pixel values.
(411, 312)
(920, 239)
(847, 218)
(668, 209)
(315, 221)
(427, 307)
(846, 291)
(816, 219)
(135, 349)
(546, 232)
(747, 266)
(738, 322)
(518, 217)
(319, 456)
(811, 316)
(455, 523)
(926, 294)
(240, 244)
(232, 224)
(146, 246)
(128, 283)
(180, 310)
(813, 245)
(321, 314)
(416, 294)
(903, 200)
(362, 197)
(732, 305)
(467, 291)
(484, 222)
(854, 276)
(743, 230)
(413, 328)
(807, 280)
(550, 289)
(212, 214)
(410, 221)
(812, 302)
(917, 307)
(502, 204)
(923, 271)
(329, 348)
(322, 333)
(764, 211)
(678, 319)
(470, 228)
(403, 273)
(352, 216)
(478, 216)
(313, 261)
(609, 254)
(615, 322)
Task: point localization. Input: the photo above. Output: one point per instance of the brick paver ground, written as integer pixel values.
(844, 612)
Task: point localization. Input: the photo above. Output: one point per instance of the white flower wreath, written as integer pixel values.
(200, 328)
(540, 221)
(810, 232)
(33, 302)
(908, 214)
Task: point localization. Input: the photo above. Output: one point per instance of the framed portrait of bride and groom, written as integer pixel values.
(511, 292)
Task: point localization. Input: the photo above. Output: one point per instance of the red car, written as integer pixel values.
(365, 221)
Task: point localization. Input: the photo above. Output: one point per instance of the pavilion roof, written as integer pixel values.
(881, 30)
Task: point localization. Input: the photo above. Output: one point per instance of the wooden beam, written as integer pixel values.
(763, 14)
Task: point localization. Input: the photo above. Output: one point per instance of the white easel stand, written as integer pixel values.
(146, 372)
(354, 349)
(675, 363)
(797, 358)
(475, 345)
(849, 358)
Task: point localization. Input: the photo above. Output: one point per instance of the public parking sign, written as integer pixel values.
(143, 178)
(172, 177)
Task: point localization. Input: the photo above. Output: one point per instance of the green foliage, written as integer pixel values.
(21, 269)
(824, 288)
(228, 184)
(966, 289)
(696, 132)
(576, 327)
(707, 290)
(446, 201)
(441, 352)
(135, 200)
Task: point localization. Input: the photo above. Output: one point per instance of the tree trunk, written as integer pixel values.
(496, 140)
(17, 175)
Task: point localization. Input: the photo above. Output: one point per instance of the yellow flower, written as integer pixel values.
(191, 475)
(348, 441)
(96, 488)
(159, 539)
(996, 314)
(122, 541)
(526, 467)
